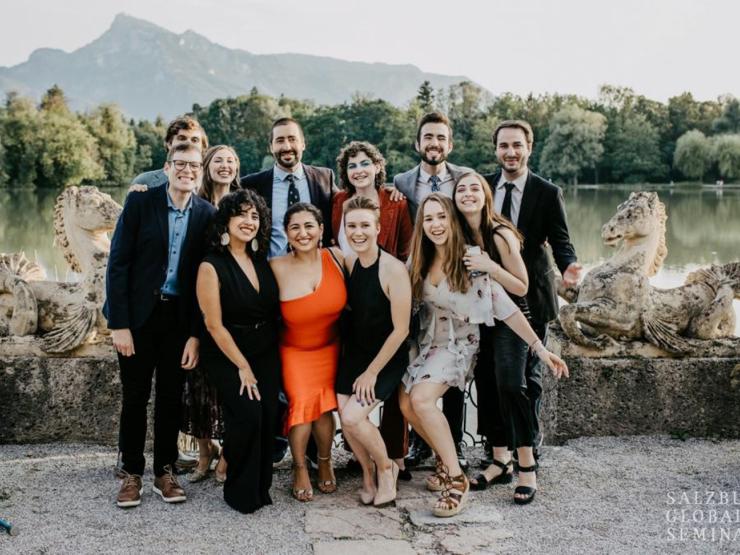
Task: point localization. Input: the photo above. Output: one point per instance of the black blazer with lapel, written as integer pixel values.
(542, 221)
(321, 187)
(138, 260)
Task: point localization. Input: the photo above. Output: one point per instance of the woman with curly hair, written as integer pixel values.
(238, 296)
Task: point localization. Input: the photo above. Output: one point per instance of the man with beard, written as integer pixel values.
(535, 206)
(290, 181)
(434, 174)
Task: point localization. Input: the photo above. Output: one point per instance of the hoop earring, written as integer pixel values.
(225, 239)
(255, 245)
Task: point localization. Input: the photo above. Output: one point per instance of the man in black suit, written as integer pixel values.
(290, 181)
(153, 315)
(535, 206)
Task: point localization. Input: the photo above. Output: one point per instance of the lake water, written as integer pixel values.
(703, 226)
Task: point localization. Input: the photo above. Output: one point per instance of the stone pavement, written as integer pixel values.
(596, 495)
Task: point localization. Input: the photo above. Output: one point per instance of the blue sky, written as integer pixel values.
(658, 47)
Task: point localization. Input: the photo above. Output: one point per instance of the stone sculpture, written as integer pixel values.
(615, 301)
(64, 314)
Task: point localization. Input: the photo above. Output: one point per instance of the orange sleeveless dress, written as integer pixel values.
(309, 346)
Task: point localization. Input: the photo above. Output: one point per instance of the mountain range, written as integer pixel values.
(150, 71)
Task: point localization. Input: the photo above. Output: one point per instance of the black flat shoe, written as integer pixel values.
(404, 475)
(525, 490)
(481, 482)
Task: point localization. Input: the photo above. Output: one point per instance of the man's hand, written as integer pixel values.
(138, 188)
(572, 274)
(123, 341)
(190, 353)
(396, 195)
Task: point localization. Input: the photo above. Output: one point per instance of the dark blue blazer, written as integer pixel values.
(138, 260)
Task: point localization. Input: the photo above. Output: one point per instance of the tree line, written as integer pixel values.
(621, 137)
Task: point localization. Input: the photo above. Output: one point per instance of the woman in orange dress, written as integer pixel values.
(312, 296)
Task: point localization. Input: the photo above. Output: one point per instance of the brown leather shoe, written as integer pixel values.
(168, 488)
(131, 489)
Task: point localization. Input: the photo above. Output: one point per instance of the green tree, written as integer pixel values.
(20, 129)
(729, 121)
(149, 137)
(633, 150)
(425, 97)
(726, 152)
(66, 151)
(575, 143)
(116, 143)
(693, 154)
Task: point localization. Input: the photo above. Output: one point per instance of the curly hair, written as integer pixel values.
(232, 205)
(207, 186)
(353, 149)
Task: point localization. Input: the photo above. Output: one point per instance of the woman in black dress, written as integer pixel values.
(375, 355)
(238, 296)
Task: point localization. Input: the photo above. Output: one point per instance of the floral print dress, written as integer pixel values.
(449, 336)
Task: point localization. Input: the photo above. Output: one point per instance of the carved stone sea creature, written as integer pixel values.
(64, 314)
(615, 301)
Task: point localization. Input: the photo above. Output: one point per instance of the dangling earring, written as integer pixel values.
(321, 242)
(255, 244)
(225, 239)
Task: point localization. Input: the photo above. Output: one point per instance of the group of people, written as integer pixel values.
(243, 293)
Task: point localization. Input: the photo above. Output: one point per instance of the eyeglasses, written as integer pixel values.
(181, 164)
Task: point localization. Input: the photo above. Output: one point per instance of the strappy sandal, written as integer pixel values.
(453, 498)
(326, 486)
(504, 477)
(525, 490)
(380, 503)
(435, 482)
(302, 495)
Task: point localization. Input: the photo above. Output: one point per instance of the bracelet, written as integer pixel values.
(537, 347)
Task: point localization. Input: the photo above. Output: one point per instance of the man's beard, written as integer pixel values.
(295, 160)
(436, 162)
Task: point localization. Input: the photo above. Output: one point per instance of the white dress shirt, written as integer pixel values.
(516, 195)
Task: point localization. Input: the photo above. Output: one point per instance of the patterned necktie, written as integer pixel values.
(506, 206)
(434, 180)
(293, 196)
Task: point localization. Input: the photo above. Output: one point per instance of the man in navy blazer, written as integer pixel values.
(153, 315)
(289, 181)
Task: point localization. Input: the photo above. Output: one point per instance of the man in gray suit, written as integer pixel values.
(181, 130)
(434, 174)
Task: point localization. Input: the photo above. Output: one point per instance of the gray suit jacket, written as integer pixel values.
(406, 183)
(154, 178)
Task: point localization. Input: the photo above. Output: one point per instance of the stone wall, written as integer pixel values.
(627, 393)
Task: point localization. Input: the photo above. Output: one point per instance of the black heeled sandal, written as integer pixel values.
(481, 482)
(525, 490)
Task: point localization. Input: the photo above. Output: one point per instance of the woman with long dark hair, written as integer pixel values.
(238, 296)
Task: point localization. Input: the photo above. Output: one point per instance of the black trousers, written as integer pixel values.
(505, 410)
(535, 368)
(159, 344)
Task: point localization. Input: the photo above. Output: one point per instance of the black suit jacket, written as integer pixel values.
(321, 187)
(542, 221)
(138, 260)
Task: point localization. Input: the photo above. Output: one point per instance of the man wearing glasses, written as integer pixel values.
(154, 320)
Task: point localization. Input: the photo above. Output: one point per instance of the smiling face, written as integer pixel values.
(434, 143)
(361, 227)
(361, 171)
(245, 226)
(303, 232)
(184, 171)
(470, 195)
(223, 167)
(436, 223)
(512, 151)
(287, 145)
